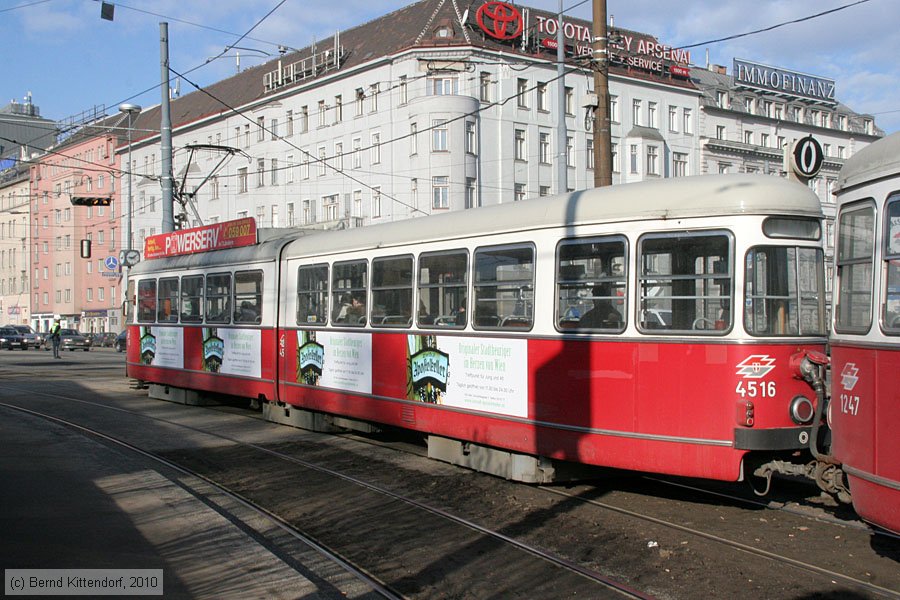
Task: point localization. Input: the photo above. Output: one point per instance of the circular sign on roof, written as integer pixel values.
(499, 20)
(112, 263)
(807, 157)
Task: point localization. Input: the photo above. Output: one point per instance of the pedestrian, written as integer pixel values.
(54, 337)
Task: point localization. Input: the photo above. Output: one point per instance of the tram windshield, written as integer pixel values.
(784, 291)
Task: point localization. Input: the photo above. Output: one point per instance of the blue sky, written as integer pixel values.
(71, 60)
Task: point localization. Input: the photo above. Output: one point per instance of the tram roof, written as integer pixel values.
(665, 199)
(878, 159)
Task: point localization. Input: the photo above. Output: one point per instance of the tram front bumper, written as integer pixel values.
(777, 438)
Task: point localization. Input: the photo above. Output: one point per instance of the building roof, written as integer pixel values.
(415, 26)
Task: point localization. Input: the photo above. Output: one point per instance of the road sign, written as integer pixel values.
(806, 157)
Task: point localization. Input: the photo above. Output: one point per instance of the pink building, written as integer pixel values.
(84, 293)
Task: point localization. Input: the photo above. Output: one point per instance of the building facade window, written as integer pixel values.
(544, 147)
(520, 151)
(470, 137)
(440, 188)
(652, 160)
(519, 193)
(376, 201)
(543, 97)
(439, 135)
(522, 93)
(636, 106)
(679, 164)
(484, 86)
(471, 193)
(375, 150)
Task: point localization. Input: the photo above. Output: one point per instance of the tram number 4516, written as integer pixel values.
(755, 389)
(849, 404)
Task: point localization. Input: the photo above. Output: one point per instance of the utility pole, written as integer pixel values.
(602, 132)
(165, 132)
(562, 166)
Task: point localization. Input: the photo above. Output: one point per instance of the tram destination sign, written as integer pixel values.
(782, 81)
(218, 236)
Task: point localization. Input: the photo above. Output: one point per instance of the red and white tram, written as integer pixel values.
(865, 343)
(650, 327)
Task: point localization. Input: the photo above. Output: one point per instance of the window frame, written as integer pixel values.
(323, 295)
(445, 319)
(841, 262)
(174, 299)
(382, 291)
(671, 278)
(338, 291)
(618, 280)
(185, 299)
(258, 297)
(513, 322)
(223, 316)
(890, 326)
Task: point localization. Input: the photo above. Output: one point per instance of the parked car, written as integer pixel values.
(103, 340)
(35, 340)
(70, 339)
(10, 339)
(122, 341)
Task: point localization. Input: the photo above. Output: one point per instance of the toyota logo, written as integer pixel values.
(499, 20)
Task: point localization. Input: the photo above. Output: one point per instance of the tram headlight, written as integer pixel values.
(802, 410)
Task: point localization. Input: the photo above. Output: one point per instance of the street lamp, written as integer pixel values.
(130, 110)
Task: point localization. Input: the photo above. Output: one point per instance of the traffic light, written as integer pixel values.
(91, 200)
(85, 248)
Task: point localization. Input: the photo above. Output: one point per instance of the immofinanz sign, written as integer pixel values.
(782, 81)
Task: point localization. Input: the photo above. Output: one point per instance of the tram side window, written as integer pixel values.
(891, 310)
(192, 299)
(146, 312)
(685, 283)
(248, 287)
(854, 259)
(442, 289)
(591, 284)
(218, 298)
(312, 295)
(167, 300)
(504, 287)
(785, 291)
(392, 291)
(348, 289)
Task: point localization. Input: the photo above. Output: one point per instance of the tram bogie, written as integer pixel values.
(649, 327)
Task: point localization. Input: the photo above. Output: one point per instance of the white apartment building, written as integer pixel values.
(415, 113)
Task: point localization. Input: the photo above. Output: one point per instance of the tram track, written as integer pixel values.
(804, 566)
(612, 588)
(376, 586)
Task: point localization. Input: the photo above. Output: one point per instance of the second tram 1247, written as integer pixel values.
(865, 346)
(652, 326)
